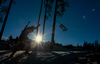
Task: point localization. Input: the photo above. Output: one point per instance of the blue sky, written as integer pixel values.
(83, 23)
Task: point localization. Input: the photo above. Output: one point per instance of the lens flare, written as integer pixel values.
(83, 17)
(38, 38)
(93, 9)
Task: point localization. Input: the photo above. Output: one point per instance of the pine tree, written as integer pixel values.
(59, 11)
(3, 10)
(5, 20)
(48, 10)
(39, 16)
(2, 1)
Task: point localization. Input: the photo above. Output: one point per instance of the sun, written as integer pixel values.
(38, 38)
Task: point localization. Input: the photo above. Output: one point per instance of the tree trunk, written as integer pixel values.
(44, 21)
(3, 26)
(0, 2)
(54, 23)
(39, 17)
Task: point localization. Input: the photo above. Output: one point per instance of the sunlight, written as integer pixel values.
(38, 38)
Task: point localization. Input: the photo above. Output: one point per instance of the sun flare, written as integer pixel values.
(38, 38)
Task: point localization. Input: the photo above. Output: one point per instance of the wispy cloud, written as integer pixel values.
(72, 28)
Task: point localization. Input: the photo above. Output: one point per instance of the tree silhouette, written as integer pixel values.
(48, 10)
(85, 45)
(3, 26)
(39, 16)
(88, 46)
(44, 18)
(96, 44)
(63, 27)
(59, 11)
(2, 1)
(3, 10)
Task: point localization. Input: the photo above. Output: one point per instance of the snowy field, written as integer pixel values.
(54, 57)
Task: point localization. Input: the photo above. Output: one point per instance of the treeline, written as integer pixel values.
(86, 46)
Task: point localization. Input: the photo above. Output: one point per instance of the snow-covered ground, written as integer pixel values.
(54, 57)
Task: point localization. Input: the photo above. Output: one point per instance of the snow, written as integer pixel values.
(40, 57)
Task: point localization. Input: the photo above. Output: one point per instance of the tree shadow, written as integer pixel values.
(40, 57)
(35, 58)
(64, 59)
(13, 60)
(89, 58)
(5, 52)
(59, 59)
(3, 61)
(20, 58)
(31, 59)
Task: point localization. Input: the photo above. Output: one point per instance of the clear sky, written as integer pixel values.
(82, 19)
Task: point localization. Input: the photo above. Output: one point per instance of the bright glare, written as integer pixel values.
(38, 38)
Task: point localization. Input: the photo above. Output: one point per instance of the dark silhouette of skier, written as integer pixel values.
(23, 38)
